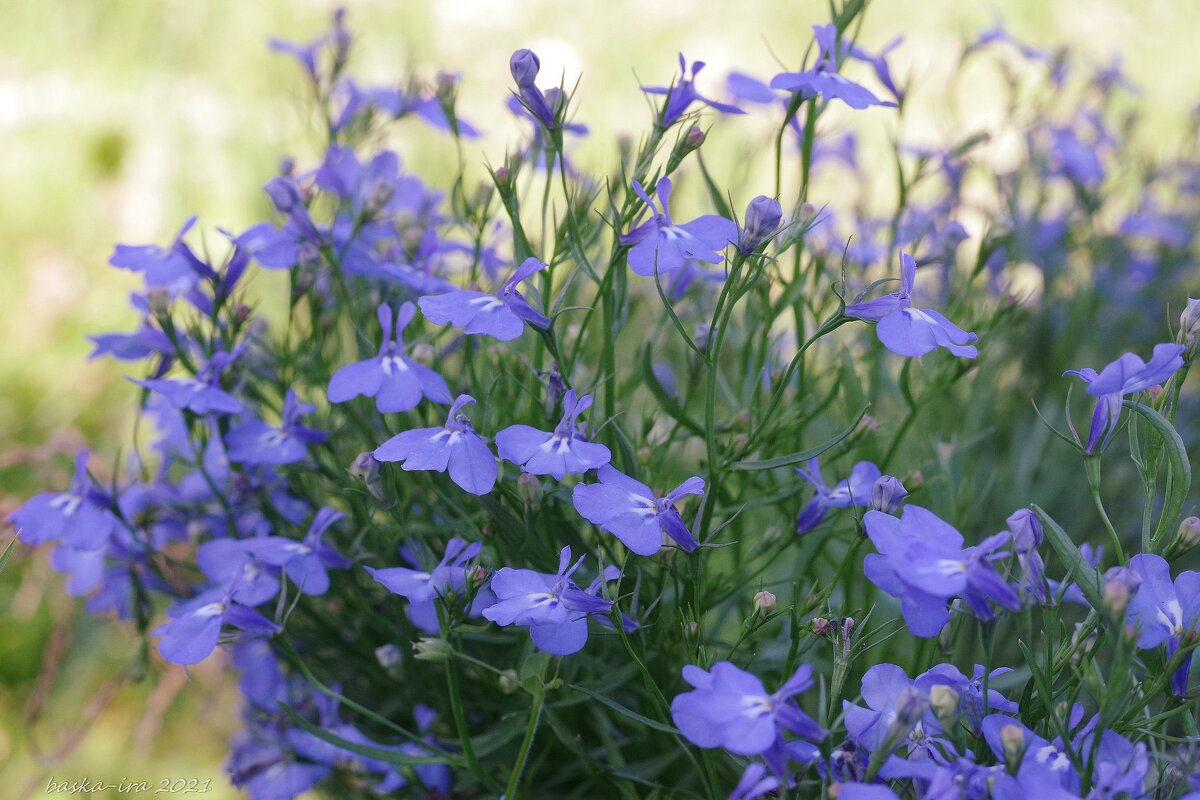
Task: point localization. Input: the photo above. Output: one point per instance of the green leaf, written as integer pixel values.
(1179, 468)
(378, 753)
(1085, 575)
(665, 401)
(7, 552)
(623, 711)
(803, 455)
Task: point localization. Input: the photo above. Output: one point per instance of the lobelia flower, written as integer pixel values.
(420, 588)
(754, 783)
(395, 381)
(1127, 375)
(762, 219)
(455, 447)
(1164, 611)
(145, 341)
(524, 66)
(729, 708)
(1041, 761)
(201, 394)
(660, 246)
(306, 562)
(256, 442)
(1027, 535)
(229, 561)
(823, 79)
(969, 691)
(853, 491)
(173, 268)
(630, 511)
(898, 713)
(922, 563)
(77, 517)
(502, 315)
(553, 607)
(682, 94)
(908, 331)
(195, 625)
(887, 494)
(565, 450)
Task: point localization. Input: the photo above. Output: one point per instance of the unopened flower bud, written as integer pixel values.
(644, 455)
(887, 493)
(422, 353)
(159, 301)
(1189, 322)
(287, 166)
(478, 575)
(686, 144)
(366, 469)
(911, 705)
(503, 177)
(431, 648)
(764, 601)
(820, 626)
(388, 655)
(763, 216)
(1155, 391)
(944, 701)
(916, 480)
(530, 489)
(509, 681)
(524, 66)
(1187, 536)
(283, 194)
(1120, 585)
(869, 424)
(1012, 737)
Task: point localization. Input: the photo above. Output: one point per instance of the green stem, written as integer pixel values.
(535, 716)
(1092, 466)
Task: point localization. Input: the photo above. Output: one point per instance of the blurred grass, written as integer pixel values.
(119, 118)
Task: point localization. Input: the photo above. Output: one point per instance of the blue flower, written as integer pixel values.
(823, 79)
(565, 450)
(201, 394)
(553, 607)
(395, 381)
(729, 708)
(79, 517)
(1164, 611)
(853, 491)
(447, 579)
(306, 562)
(256, 442)
(682, 94)
(908, 331)
(660, 246)
(173, 268)
(1127, 375)
(922, 563)
(455, 447)
(195, 625)
(630, 511)
(502, 315)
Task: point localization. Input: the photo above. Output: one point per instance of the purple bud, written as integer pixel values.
(283, 194)
(1120, 585)
(763, 216)
(524, 66)
(887, 493)
(1189, 322)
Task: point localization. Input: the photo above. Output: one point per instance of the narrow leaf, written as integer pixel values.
(803, 455)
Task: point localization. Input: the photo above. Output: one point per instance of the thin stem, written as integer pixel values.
(535, 716)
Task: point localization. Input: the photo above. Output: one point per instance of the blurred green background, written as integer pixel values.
(119, 118)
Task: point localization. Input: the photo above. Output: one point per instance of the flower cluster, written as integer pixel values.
(428, 512)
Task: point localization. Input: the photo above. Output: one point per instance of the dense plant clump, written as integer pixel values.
(562, 486)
